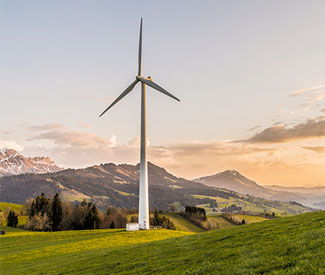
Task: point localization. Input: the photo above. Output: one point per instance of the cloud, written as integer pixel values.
(76, 139)
(316, 97)
(48, 127)
(318, 149)
(312, 128)
(306, 90)
(202, 154)
(9, 144)
(76, 148)
(254, 128)
(82, 149)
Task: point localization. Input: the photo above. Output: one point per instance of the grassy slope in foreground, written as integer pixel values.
(26, 252)
(293, 245)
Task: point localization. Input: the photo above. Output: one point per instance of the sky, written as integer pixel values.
(250, 76)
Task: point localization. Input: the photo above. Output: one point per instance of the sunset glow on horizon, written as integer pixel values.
(250, 76)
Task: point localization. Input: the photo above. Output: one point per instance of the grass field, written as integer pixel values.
(249, 219)
(292, 245)
(180, 222)
(5, 206)
(45, 248)
(256, 207)
(183, 224)
(216, 222)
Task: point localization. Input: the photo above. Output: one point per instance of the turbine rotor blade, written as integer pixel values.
(140, 50)
(127, 90)
(157, 87)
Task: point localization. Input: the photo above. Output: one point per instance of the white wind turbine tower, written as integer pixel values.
(143, 186)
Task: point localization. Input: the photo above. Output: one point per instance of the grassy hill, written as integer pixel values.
(183, 224)
(5, 206)
(254, 205)
(292, 245)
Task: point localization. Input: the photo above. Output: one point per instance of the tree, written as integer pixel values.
(33, 210)
(42, 204)
(156, 220)
(112, 226)
(56, 212)
(12, 219)
(78, 216)
(39, 223)
(134, 219)
(112, 211)
(195, 212)
(92, 218)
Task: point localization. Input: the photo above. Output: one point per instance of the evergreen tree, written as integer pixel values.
(44, 204)
(112, 225)
(12, 219)
(83, 203)
(156, 220)
(56, 213)
(37, 204)
(92, 219)
(33, 210)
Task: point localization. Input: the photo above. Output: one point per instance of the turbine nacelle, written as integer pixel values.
(145, 78)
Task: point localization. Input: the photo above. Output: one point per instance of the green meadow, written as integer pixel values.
(255, 207)
(6, 206)
(183, 224)
(291, 245)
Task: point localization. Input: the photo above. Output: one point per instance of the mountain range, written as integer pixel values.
(110, 184)
(233, 180)
(13, 163)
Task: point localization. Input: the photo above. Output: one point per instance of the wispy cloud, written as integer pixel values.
(48, 127)
(306, 90)
(318, 149)
(254, 128)
(76, 139)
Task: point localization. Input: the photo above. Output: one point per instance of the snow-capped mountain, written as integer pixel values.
(13, 163)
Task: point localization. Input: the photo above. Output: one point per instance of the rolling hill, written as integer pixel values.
(292, 245)
(117, 185)
(313, 196)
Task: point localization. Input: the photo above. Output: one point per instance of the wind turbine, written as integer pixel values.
(143, 185)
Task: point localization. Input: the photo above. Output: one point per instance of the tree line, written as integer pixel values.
(51, 214)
